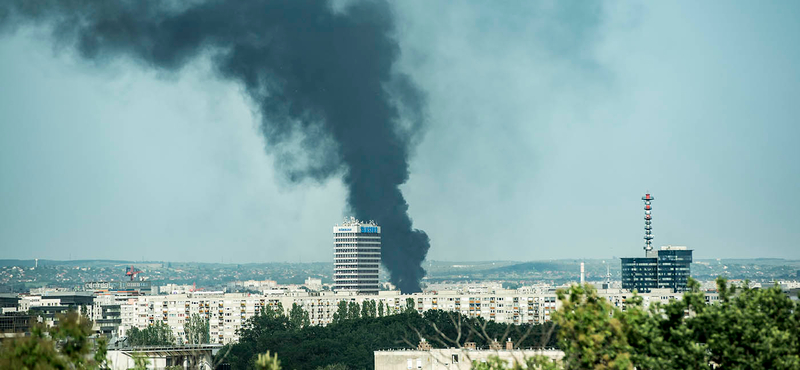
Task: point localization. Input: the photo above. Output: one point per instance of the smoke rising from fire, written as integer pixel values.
(323, 81)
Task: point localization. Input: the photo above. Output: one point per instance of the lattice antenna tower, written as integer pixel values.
(648, 227)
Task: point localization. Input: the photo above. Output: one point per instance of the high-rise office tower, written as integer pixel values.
(357, 256)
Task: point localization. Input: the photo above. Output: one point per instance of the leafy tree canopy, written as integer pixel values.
(350, 342)
(65, 346)
(750, 329)
(158, 334)
(197, 330)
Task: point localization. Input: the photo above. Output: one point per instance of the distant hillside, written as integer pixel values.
(527, 267)
(45, 262)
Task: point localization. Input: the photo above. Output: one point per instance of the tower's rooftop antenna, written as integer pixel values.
(648, 228)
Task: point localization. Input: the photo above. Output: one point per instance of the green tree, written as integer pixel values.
(591, 331)
(341, 312)
(756, 328)
(353, 311)
(368, 308)
(298, 317)
(751, 329)
(410, 306)
(158, 334)
(268, 322)
(197, 330)
(373, 309)
(267, 362)
(65, 346)
(380, 309)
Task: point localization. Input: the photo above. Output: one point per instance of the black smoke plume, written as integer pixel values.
(322, 79)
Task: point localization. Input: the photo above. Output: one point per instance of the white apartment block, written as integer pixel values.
(227, 312)
(176, 289)
(453, 358)
(29, 301)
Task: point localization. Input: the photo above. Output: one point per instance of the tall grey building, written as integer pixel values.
(357, 256)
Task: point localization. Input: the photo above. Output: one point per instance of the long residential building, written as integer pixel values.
(227, 312)
(114, 314)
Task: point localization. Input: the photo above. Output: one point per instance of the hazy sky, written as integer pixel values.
(547, 123)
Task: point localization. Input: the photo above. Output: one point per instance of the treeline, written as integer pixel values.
(69, 345)
(744, 329)
(359, 330)
(196, 329)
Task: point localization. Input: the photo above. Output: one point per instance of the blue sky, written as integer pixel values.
(546, 124)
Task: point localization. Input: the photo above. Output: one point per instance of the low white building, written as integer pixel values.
(176, 289)
(313, 284)
(199, 357)
(454, 358)
(254, 285)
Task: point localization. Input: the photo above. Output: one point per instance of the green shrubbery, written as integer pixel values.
(66, 346)
(748, 329)
(158, 334)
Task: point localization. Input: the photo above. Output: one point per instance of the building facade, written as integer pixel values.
(640, 274)
(674, 268)
(115, 313)
(199, 357)
(669, 270)
(454, 358)
(357, 257)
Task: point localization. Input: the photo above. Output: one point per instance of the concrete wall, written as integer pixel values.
(200, 359)
(451, 358)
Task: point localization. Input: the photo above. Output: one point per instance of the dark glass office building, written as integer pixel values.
(674, 268)
(640, 274)
(669, 270)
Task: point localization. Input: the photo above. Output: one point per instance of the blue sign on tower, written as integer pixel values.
(369, 229)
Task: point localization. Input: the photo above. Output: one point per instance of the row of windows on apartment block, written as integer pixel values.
(359, 235)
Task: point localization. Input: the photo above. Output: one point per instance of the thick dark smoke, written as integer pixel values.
(323, 81)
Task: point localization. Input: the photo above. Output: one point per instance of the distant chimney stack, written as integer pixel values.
(470, 345)
(509, 344)
(582, 273)
(495, 345)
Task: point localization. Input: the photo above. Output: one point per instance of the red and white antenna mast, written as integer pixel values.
(648, 228)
